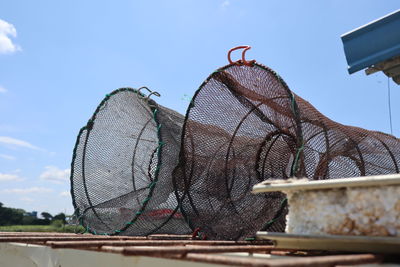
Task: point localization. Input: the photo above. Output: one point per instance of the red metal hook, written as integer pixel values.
(243, 61)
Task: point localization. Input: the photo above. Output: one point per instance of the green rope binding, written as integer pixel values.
(277, 215)
(296, 160)
(152, 185)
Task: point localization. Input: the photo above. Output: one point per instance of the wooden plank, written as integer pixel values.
(397, 79)
(53, 234)
(158, 251)
(382, 66)
(96, 243)
(25, 234)
(66, 238)
(393, 71)
(333, 242)
(289, 185)
(169, 237)
(290, 261)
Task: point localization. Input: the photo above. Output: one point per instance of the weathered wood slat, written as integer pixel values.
(373, 244)
(169, 237)
(66, 238)
(289, 261)
(38, 234)
(79, 244)
(153, 250)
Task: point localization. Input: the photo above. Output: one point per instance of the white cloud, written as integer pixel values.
(225, 4)
(54, 174)
(3, 90)
(7, 157)
(8, 177)
(65, 194)
(16, 142)
(28, 190)
(7, 30)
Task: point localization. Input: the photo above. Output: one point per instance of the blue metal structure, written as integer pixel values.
(373, 43)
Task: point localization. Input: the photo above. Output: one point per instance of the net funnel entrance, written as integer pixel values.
(243, 126)
(122, 164)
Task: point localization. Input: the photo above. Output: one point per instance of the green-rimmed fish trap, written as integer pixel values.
(122, 163)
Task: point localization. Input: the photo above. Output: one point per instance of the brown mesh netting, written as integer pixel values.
(245, 126)
(122, 164)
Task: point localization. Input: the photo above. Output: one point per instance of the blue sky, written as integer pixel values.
(58, 59)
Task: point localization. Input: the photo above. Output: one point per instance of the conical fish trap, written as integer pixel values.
(243, 126)
(122, 164)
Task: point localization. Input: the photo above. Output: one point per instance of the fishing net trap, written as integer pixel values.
(244, 126)
(121, 169)
(140, 168)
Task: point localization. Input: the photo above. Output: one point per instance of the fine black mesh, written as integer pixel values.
(122, 165)
(245, 126)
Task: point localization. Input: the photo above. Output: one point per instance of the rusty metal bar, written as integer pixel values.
(169, 237)
(66, 238)
(37, 234)
(99, 243)
(274, 262)
(23, 236)
(154, 251)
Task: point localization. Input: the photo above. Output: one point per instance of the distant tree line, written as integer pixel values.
(11, 216)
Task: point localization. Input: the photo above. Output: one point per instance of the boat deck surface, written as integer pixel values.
(63, 249)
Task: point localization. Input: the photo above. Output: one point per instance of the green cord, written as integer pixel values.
(277, 215)
(296, 160)
(153, 184)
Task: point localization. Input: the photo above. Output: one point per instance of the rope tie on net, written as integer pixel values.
(295, 110)
(295, 165)
(198, 235)
(293, 169)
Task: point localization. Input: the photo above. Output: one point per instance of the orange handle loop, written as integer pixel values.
(243, 61)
